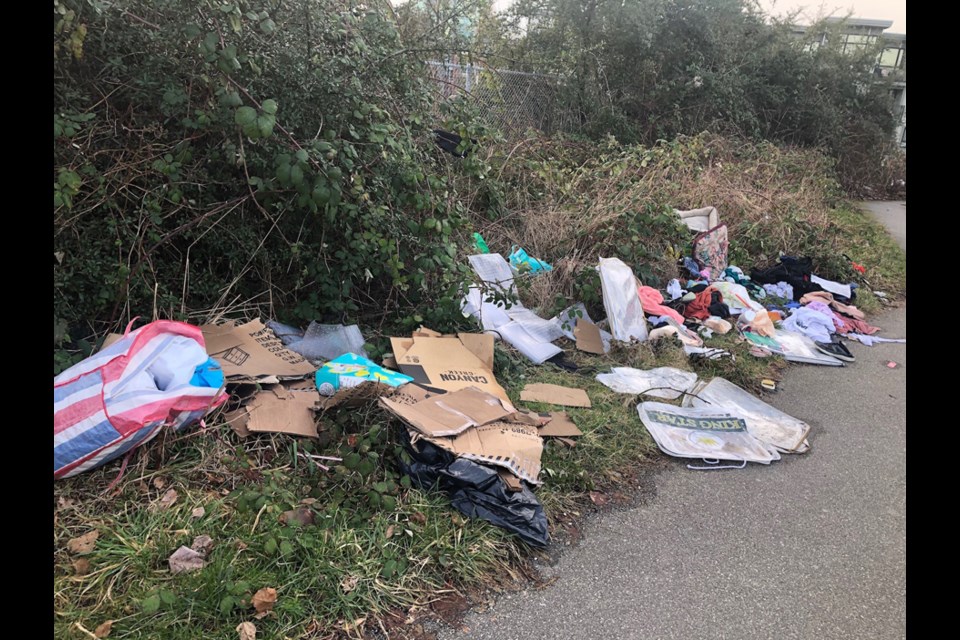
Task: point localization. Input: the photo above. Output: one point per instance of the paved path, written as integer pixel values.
(813, 546)
(893, 214)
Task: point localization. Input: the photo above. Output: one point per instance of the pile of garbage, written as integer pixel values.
(783, 309)
(463, 433)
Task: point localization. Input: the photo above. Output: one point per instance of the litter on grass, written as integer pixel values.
(663, 382)
(351, 370)
(524, 330)
(767, 424)
(701, 219)
(710, 433)
(320, 341)
(121, 397)
(621, 301)
(555, 394)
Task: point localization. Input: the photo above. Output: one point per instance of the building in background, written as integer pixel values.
(860, 33)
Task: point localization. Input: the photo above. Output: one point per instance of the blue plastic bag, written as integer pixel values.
(521, 262)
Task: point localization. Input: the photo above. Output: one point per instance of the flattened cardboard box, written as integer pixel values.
(509, 445)
(555, 394)
(452, 413)
(252, 351)
(449, 363)
(560, 426)
(515, 447)
(588, 337)
(278, 409)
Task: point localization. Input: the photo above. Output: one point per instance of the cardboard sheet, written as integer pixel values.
(560, 426)
(448, 364)
(588, 337)
(277, 410)
(555, 394)
(506, 444)
(451, 413)
(515, 447)
(252, 351)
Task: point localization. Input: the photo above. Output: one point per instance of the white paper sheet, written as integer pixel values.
(535, 350)
(492, 269)
(538, 328)
(527, 332)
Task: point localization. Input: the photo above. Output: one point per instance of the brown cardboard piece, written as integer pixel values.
(560, 426)
(450, 413)
(238, 419)
(511, 481)
(555, 394)
(449, 363)
(252, 351)
(479, 344)
(509, 445)
(588, 337)
(515, 447)
(283, 410)
(110, 339)
(410, 394)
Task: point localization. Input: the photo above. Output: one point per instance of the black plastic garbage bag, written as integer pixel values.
(477, 491)
(449, 142)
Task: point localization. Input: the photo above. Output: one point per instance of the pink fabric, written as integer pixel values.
(838, 323)
(827, 298)
(859, 326)
(844, 323)
(652, 301)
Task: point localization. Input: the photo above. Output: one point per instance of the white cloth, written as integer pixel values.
(872, 340)
(810, 323)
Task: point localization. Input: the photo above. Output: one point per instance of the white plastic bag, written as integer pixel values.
(653, 382)
(621, 301)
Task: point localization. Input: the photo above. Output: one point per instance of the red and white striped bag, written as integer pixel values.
(122, 396)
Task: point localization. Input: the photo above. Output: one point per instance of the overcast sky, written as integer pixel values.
(895, 10)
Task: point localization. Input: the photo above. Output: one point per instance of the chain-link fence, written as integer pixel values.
(511, 101)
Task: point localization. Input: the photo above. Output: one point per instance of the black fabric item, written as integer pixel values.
(794, 271)
(449, 142)
(720, 310)
(561, 361)
(477, 491)
(697, 288)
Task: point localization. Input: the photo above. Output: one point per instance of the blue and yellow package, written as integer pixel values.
(350, 370)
